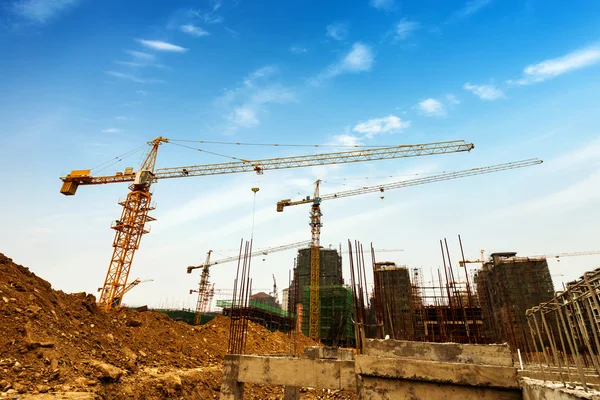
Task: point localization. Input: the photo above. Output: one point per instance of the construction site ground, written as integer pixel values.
(58, 345)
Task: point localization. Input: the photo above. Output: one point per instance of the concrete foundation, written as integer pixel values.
(388, 369)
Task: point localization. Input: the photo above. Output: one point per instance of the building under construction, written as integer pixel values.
(507, 286)
(335, 327)
(439, 311)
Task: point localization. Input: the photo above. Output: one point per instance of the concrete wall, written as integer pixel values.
(539, 390)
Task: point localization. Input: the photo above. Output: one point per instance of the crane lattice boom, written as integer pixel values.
(82, 177)
(413, 182)
(254, 253)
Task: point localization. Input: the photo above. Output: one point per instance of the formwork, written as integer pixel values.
(394, 296)
(507, 287)
(336, 311)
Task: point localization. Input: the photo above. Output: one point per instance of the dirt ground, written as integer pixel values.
(58, 345)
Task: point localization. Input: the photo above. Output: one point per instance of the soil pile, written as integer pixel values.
(53, 343)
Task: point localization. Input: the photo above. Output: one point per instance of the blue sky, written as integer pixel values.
(84, 81)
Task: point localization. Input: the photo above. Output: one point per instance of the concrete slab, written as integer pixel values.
(438, 372)
(391, 389)
(448, 352)
(326, 374)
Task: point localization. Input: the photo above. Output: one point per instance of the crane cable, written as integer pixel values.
(279, 144)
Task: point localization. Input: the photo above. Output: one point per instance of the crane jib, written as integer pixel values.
(83, 177)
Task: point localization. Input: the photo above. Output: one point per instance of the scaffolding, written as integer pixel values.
(336, 328)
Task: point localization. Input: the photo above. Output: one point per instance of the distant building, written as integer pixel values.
(285, 295)
(264, 299)
(507, 286)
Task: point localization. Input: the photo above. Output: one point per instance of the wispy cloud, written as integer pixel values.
(112, 130)
(141, 55)
(131, 77)
(452, 99)
(360, 58)
(385, 5)
(405, 28)
(121, 118)
(484, 92)
(374, 126)
(337, 31)
(162, 46)
(298, 50)
(215, 4)
(432, 108)
(345, 140)
(41, 11)
(244, 105)
(554, 67)
(472, 7)
(234, 34)
(193, 30)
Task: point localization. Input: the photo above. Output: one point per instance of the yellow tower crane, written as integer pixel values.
(315, 219)
(131, 226)
(203, 287)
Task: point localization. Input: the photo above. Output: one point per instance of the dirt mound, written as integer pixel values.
(53, 342)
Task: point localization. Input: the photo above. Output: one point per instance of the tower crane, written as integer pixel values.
(203, 287)
(203, 291)
(315, 219)
(131, 226)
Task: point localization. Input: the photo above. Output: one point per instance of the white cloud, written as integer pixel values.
(162, 46)
(121, 118)
(141, 92)
(337, 31)
(41, 11)
(359, 59)
(111, 130)
(345, 140)
(452, 99)
(244, 104)
(244, 116)
(262, 72)
(298, 50)
(484, 92)
(557, 203)
(473, 6)
(215, 4)
(193, 30)
(131, 63)
(432, 108)
(131, 77)
(141, 55)
(405, 28)
(587, 155)
(557, 66)
(380, 125)
(386, 5)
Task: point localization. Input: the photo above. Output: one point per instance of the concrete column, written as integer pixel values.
(231, 389)
(291, 393)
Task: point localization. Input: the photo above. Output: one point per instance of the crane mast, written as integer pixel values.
(315, 219)
(130, 227)
(315, 264)
(129, 230)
